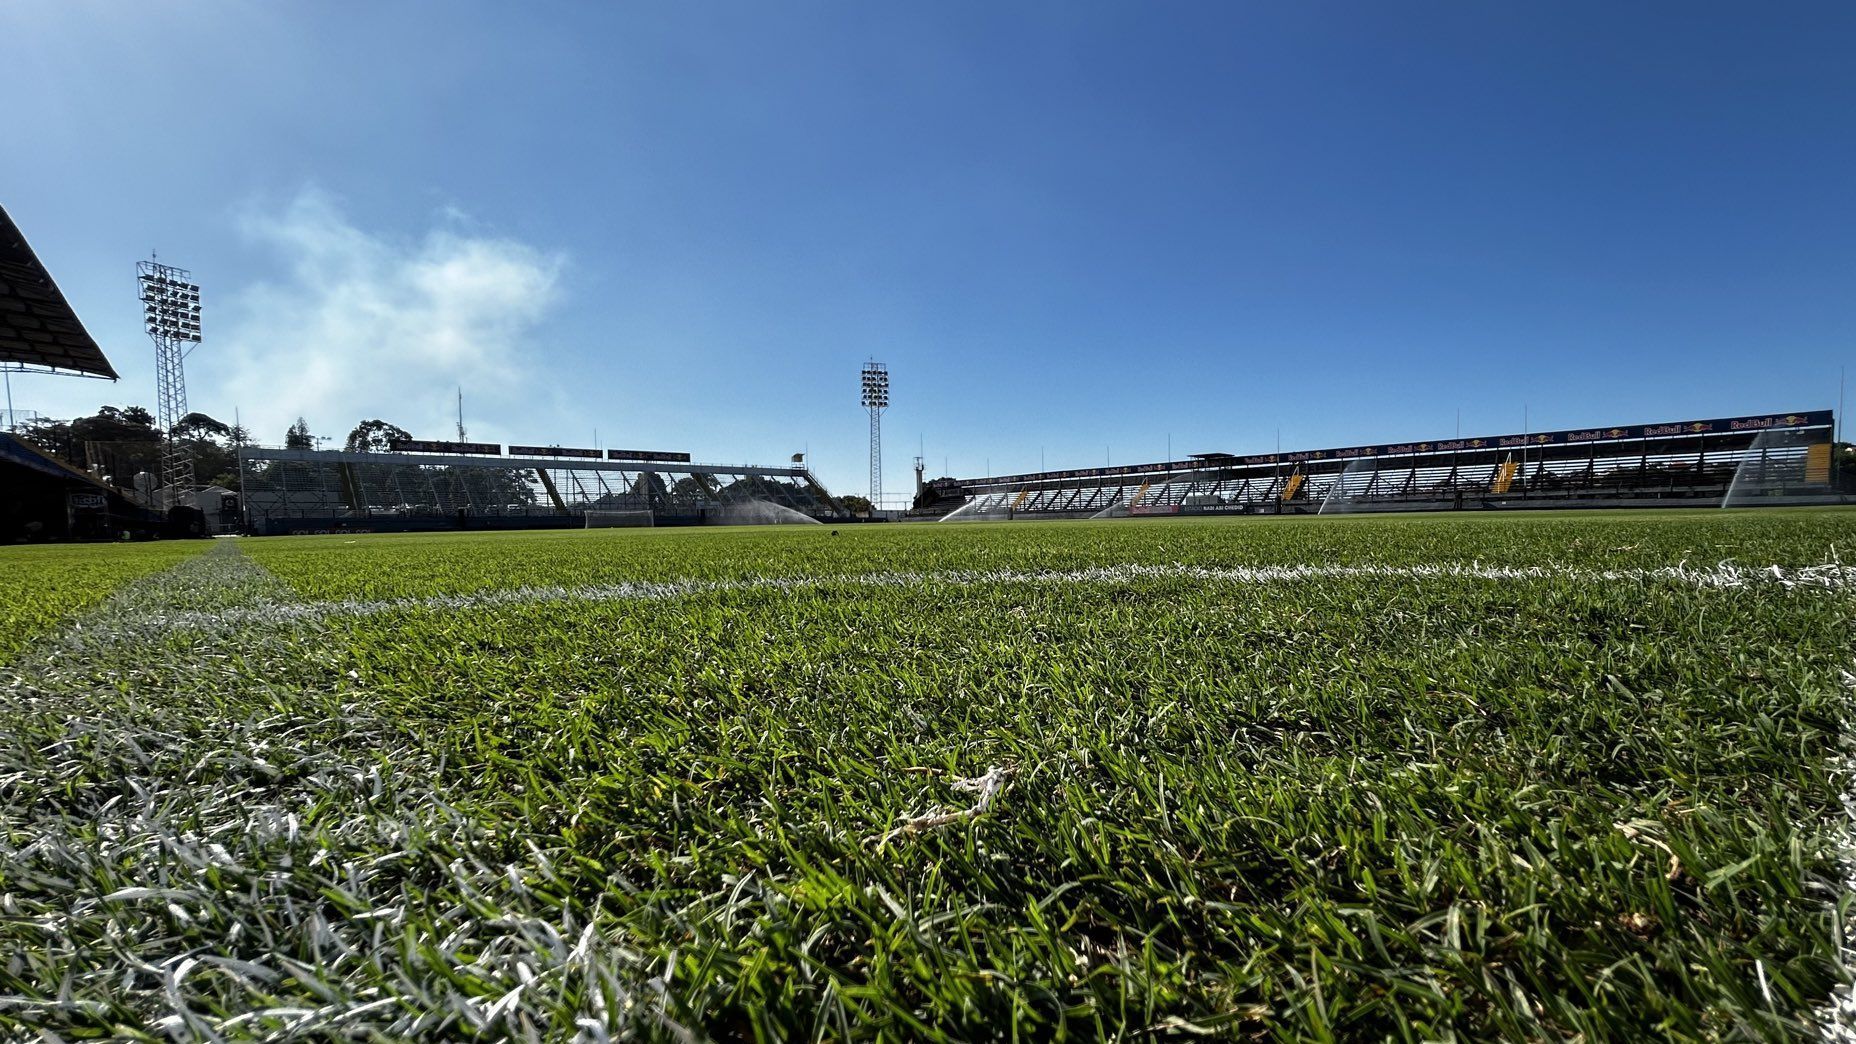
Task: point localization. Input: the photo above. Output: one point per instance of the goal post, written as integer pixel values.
(618, 519)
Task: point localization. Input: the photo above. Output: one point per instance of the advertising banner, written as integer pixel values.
(485, 449)
(652, 455)
(553, 451)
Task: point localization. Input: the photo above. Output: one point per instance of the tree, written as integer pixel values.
(116, 444)
(648, 483)
(298, 437)
(943, 489)
(786, 494)
(132, 417)
(196, 425)
(697, 487)
(855, 504)
(108, 424)
(375, 436)
(213, 447)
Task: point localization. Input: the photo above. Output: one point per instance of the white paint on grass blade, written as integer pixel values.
(279, 846)
(1837, 1016)
(281, 614)
(986, 787)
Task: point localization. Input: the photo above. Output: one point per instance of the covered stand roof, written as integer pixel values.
(38, 329)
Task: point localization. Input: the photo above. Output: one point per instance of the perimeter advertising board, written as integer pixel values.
(482, 449)
(554, 451)
(659, 456)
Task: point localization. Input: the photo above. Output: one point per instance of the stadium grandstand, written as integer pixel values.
(39, 332)
(1767, 460)
(421, 485)
(43, 498)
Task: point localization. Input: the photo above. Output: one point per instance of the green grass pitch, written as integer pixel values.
(1415, 778)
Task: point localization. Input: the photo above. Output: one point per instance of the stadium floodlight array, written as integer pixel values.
(171, 316)
(876, 400)
(876, 385)
(170, 303)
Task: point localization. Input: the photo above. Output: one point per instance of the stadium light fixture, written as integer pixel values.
(170, 303)
(876, 400)
(171, 316)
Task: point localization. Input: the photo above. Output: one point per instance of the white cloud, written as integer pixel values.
(362, 326)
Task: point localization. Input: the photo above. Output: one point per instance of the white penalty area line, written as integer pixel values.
(1835, 577)
(1837, 1014)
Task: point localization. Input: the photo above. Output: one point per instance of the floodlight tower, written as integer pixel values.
(171, 315)
(876, 400)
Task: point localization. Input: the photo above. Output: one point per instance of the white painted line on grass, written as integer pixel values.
(1837, 1016)
(1834, 577)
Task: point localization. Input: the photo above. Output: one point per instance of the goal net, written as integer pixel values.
(616, 519)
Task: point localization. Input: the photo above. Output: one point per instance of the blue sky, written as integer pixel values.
(1073, 230)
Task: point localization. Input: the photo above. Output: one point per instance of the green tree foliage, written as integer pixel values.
(788, 494)
(108, 424)
(936, 492)
(211, 444)
(117, 443)
(1843, 466)
(649, 482)
(298, 437)
(694, 487)
(194, 425)
(374, 436)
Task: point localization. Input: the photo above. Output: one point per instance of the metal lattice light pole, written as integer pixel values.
(876, 400)
(171, 315)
